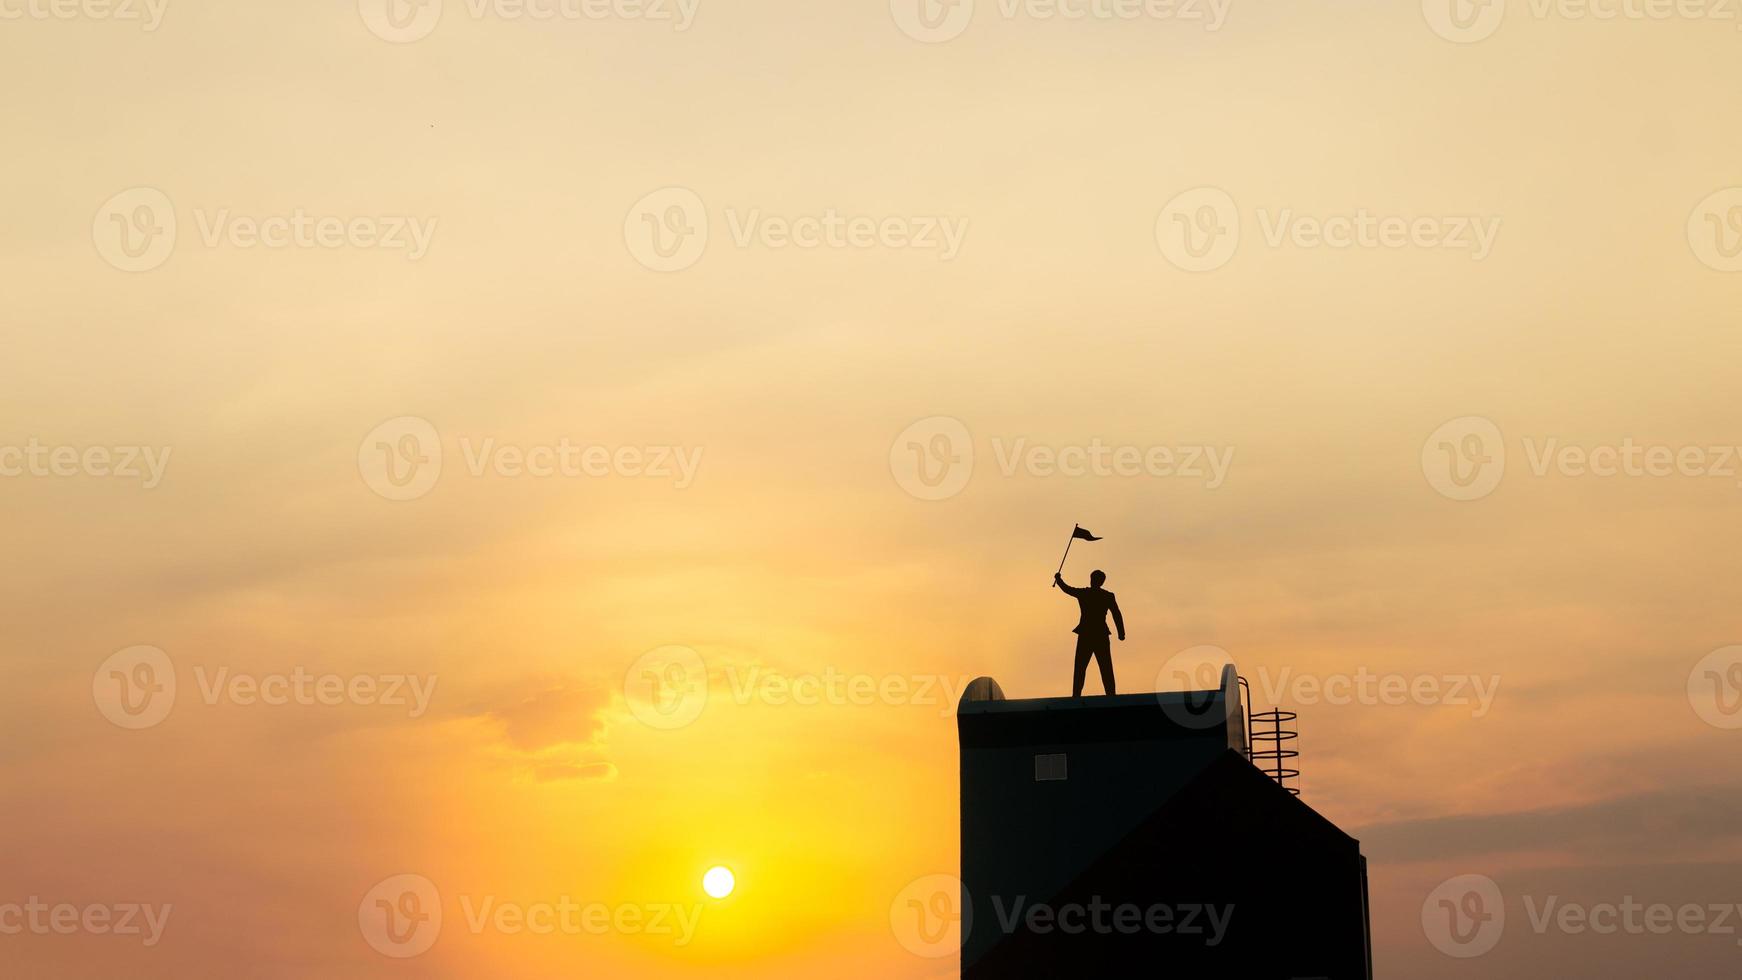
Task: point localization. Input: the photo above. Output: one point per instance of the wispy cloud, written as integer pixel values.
(555, 728)
(1654, 823)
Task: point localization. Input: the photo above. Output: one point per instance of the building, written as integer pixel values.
(1133, 832)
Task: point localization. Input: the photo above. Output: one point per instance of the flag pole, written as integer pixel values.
(1068, 544)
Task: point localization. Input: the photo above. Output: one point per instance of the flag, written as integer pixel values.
(1082, 534)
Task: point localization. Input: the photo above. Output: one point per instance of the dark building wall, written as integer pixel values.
(1123, 758)
(1155, 810)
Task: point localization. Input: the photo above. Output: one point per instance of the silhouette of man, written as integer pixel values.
(1092, 638)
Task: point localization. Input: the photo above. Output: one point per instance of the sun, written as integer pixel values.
(719, 882)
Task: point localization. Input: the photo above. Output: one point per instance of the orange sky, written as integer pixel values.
(487, 240)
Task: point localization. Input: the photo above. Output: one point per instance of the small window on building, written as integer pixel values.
(1049, 768)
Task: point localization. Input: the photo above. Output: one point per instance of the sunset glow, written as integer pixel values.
(481, 487)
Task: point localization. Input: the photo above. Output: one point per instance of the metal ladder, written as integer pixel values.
(1275, 757)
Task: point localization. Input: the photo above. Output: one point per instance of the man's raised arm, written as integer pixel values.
(1059, 580)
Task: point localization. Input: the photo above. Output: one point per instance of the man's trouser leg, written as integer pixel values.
(1104, 657)
(1083, 650)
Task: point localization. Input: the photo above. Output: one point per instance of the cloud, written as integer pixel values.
(557, 730)
(564, 712)
(550, 772)
(1635, 824)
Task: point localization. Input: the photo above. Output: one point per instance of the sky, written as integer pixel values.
(471, 468)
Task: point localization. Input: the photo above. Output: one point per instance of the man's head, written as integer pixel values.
(1096, 577)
